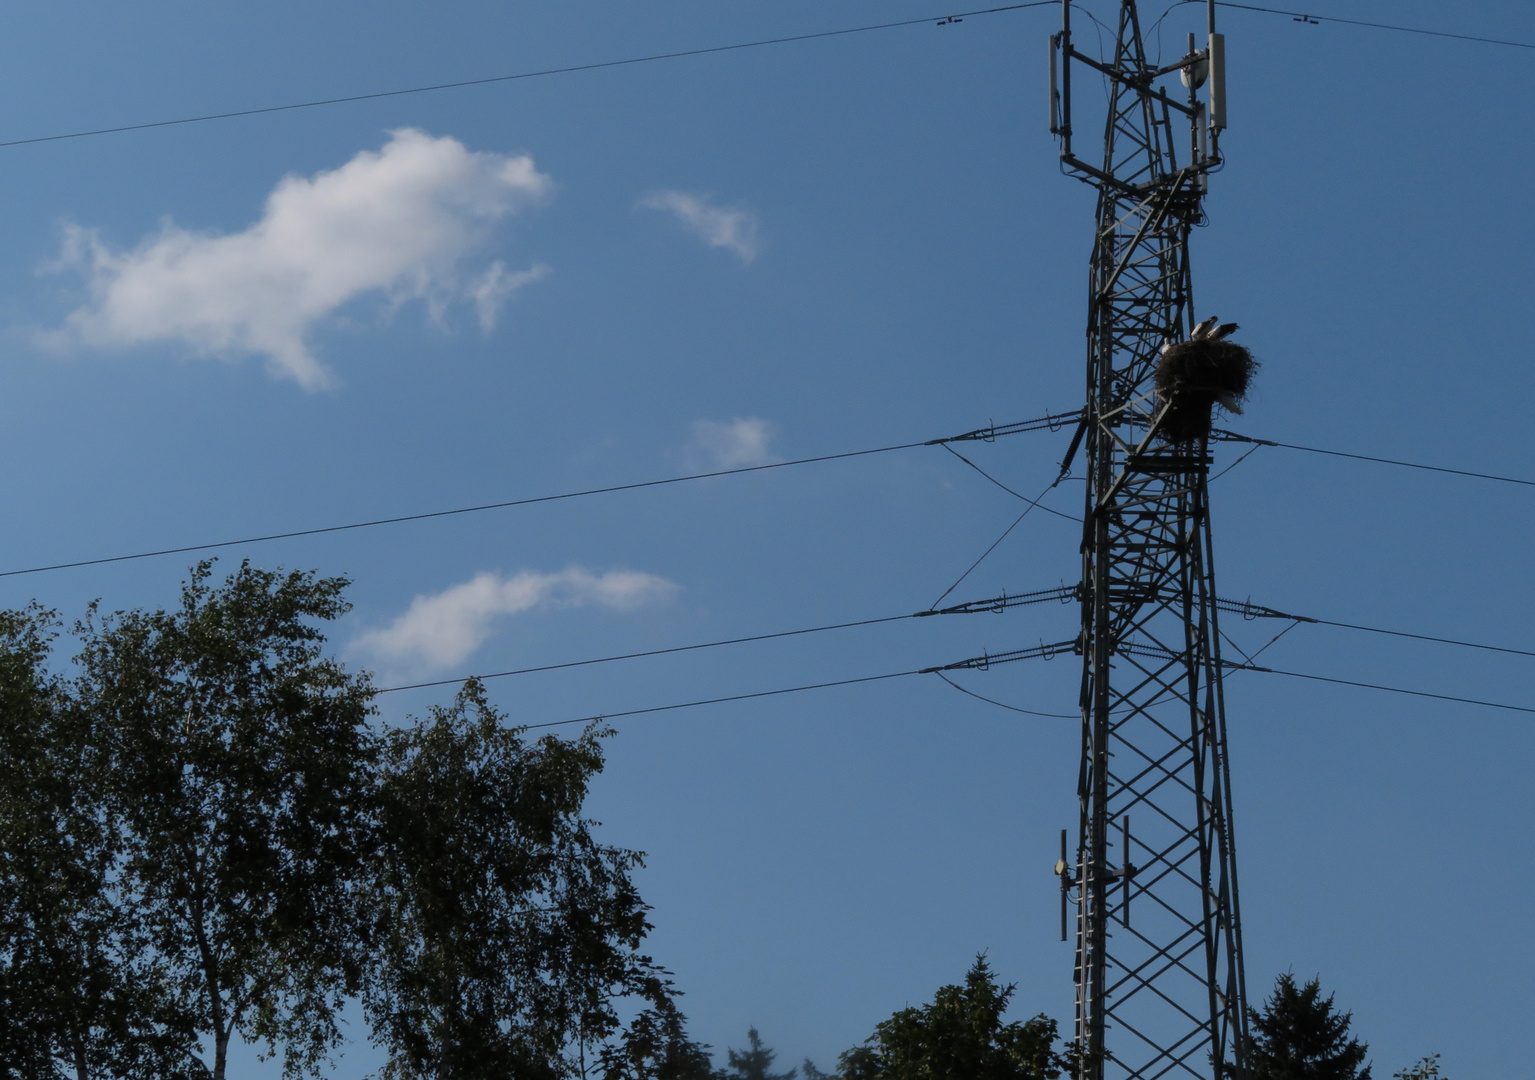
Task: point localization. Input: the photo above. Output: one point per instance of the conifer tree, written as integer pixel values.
(753, 1064)
(1300, 1035)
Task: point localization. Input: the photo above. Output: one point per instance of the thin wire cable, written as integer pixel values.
(1007, 489)
(1423, 637)
(1021, 426)
(721, 700)
(601, 717)
(1302, 15)
(1032, 504)
(1388, 689)
(1001, 704)
(458, 510)
(1233, 465)
(1380, 460)
(569, 69)
(1260, 652)
(1250, 611)
(996, 604)
(652, 652)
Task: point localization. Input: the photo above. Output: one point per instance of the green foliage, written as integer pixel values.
(80, 991)
(1426, 1069)
(503, 929)
(755, 1063)
(959, 1036)
(233, 759)
(202, 838)
(655, 1046)
(1299, 1035)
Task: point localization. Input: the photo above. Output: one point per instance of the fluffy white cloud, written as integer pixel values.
(716, 226)
(398, 222)
(743, 441)
(442, 630)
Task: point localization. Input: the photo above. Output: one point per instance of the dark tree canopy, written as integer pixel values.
(504, 931)
(1424, 1069)
(234, 758)
(204, 837)
(81, 993)
(753, 1063)
(656, 1046)
(959, 1036)
(1300, 1035)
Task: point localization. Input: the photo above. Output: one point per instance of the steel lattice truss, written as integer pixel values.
(1159, 983)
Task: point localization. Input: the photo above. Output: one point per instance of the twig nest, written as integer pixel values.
(1194, 376)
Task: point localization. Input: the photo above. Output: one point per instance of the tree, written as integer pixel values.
(1426, 1069)
(754, 1063)
(959, 1036)
(656, 1046)
(234, 762)
(1299, 1035)
(503, 931)
(80, 993)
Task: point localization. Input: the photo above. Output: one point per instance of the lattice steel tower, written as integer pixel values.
(1159, 980)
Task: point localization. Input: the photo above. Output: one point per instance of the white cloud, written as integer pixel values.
(716, 226)
(398, 222)
(742, 441)
(442, 630)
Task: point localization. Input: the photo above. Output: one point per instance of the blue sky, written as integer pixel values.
(772, 253)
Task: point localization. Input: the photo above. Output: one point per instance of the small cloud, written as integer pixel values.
(496, 285)
(442, 630)
(741, 442)
(398, 222)
(735, 229)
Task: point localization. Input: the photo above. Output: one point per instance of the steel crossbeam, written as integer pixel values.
(1158, 962)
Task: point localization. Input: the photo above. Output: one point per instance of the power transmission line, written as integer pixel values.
(1010, 491)
(1234, 437)
(599, 65)
(1249, 610)
(1002, 704)
(1005, 533)
(1388, 689)
(1307, 17)
(944, 20)
(985, 662)
(994, 604)
(731, 697)
(987, 434)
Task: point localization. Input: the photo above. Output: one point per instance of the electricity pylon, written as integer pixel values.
(1159, 979)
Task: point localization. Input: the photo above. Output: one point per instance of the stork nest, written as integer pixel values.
(1193, 375)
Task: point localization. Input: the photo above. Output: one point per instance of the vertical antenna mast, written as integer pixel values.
(1163, 995)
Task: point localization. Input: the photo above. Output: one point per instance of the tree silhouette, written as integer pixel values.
(1300, 1035)
(753, 1064)
(960, 1036)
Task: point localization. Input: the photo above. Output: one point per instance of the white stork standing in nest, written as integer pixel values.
(1215, 330)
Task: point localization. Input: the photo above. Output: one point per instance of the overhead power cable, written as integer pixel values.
(1308, 17)
(1249, 610)
(986, 434)
(1388, 689)
(987, 661)
(1002, 704)
(731, 697)
(1157, 652)
(990, 605)
(569, 69)
(978, 663)
(943, 20)
(1234, 437)
(1005, 534)
(1004, 602)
